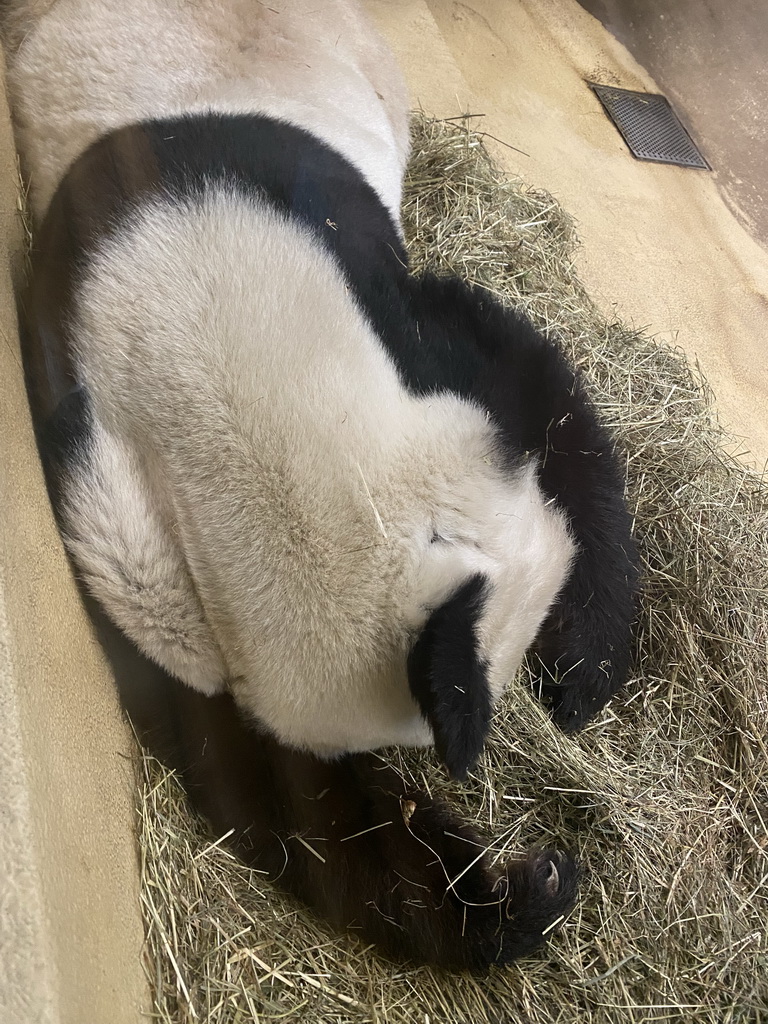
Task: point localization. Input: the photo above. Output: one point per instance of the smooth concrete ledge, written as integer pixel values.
(661, 246)
(71, 934)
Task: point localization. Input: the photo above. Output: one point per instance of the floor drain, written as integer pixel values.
(650, 127)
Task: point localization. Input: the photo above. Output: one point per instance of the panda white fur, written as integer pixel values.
(78, 69)
(283, 465)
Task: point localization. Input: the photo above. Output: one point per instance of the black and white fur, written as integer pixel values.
(287, 469)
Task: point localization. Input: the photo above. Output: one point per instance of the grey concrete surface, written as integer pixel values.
(71, 934)
(711, 60)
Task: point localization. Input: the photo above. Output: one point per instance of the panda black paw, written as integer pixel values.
(527, 901)
(573, 703)
(580, 672)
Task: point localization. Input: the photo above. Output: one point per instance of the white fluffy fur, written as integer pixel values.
(304, 484)
(263, 492)
(79, 68)
(127, 555)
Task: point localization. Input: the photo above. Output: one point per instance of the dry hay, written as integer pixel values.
(663, 797)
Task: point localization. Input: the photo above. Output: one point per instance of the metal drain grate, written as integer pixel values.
(650, 127)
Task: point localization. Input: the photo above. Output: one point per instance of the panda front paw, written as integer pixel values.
(583, 661)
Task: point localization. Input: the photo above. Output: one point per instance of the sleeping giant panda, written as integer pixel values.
(291, 473)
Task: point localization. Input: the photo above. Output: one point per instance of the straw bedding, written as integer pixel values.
(663, 798)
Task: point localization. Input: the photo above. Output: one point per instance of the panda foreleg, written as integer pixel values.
(126, 556)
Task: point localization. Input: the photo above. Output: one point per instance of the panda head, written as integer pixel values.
(474, 640)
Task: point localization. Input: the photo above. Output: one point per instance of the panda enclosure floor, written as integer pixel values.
(680, 252)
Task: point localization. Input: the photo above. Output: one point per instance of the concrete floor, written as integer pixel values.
(71, 932)
(662, 245)
(711, 60)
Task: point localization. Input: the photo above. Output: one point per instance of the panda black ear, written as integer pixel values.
(449, 678)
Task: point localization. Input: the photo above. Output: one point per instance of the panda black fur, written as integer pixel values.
(283, 465)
